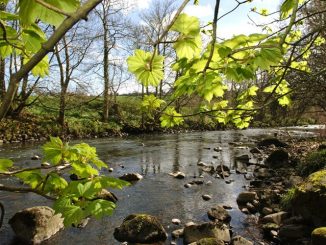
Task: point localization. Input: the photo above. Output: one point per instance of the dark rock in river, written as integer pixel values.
(36, 224)
(243, 158)
(318, 236)
(246, 196)
(271, 141)
(106, 195)
(277, 159)
(206, 197)
(309, 200)
(140, 228)
(178, 175)
(218, 213)
(131, 177)
(194, 233)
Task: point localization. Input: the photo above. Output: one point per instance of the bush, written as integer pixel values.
(314, 161)
(287, 198)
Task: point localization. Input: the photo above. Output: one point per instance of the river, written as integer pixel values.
(154, 156)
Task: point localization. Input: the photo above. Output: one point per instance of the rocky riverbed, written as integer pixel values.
(218, 190)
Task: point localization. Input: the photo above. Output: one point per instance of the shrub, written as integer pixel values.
(314, 161)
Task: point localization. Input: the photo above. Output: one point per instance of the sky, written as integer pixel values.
(235, 23)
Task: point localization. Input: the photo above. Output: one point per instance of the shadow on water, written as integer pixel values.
(154, 156)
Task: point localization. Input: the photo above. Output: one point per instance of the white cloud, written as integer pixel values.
(203, 12)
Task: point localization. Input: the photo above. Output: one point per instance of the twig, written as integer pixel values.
(25, 190)
(166, 30)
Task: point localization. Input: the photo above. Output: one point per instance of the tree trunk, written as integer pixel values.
(2, 67)
(62, 106)
(106, 92)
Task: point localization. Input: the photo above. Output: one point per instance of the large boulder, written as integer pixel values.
(219, 213)
(140, 228)
(36, 224)
(309, 199)
(318, 236)
(194, 233)
(293, 232)
(277, 159)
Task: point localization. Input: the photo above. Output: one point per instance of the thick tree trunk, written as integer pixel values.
(2, 78)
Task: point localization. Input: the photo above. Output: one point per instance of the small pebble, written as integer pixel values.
(110, 170)
(35, 157)
(206, 197)
(176, 221)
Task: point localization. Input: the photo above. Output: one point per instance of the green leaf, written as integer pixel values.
(171, 118)
(8, 16)
(83, 170)
(33, 37)
(188, 46)
(5, 164)
(187, 25)
(287, 7)
(269, 89)
(29, 11)
(145, 72)
(53, 150)
(284, 101)
(32, 178)
(42, 68)
(5, 50)
(55, 183)
(72, 215)
(103, 182)
(224, 51)
(100, 208)
(151, 102)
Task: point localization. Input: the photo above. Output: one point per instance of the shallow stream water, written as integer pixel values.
(154, 156)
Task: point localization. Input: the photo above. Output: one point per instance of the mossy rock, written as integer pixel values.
(140, 228)
(209, 241)
(309, 200)
(318, 236)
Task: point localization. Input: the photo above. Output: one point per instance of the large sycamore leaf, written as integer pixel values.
(188, 46)
(140, 65)
(187, 25)
(53, 150)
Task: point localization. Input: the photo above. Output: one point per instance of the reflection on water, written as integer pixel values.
(158, 193)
